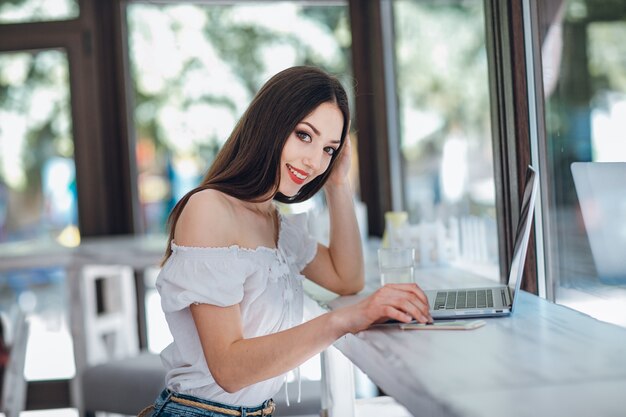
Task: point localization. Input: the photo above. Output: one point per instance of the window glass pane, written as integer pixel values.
(445, 137)
(37, 199)
(584, 77)
(37, 171)
(195, 68)
(20, 11)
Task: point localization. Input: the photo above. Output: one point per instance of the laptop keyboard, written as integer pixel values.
(449, 300)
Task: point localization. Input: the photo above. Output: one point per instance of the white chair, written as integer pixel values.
(15, 334)
(112, 375)
(338, 398)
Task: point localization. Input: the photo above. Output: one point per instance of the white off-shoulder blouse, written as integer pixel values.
(265, 282)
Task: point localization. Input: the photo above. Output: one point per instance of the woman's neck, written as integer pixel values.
(263, 208)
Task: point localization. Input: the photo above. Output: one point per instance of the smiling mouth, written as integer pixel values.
(297, 175)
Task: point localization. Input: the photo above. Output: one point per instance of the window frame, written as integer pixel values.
(539, 16)
(104, 194)
(510, 127)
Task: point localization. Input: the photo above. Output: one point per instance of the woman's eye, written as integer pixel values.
(330, 150)
(303, 136)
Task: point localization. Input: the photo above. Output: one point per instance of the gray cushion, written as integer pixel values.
(128, 385)
(123, 386)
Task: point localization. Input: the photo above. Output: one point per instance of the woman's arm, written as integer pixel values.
(339, 267)
(236, 362)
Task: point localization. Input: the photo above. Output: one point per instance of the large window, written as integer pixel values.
(37, 171)
(445, 151)
(196, 67)
(584, 82)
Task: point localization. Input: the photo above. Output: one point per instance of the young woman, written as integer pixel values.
(231, 282)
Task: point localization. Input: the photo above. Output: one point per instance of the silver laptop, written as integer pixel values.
(601, 189)
(496, 300)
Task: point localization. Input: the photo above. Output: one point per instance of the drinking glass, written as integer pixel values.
(396, 265)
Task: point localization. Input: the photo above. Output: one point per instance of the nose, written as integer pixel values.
(313, 162)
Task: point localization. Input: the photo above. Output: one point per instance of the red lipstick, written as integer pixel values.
(292, 174)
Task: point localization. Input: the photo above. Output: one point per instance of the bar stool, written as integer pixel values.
(338, 398)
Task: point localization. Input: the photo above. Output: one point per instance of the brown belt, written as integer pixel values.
(264, 412)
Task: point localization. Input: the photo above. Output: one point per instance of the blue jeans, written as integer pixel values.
(172, 404)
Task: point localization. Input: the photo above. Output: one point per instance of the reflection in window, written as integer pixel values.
(584, 83)
(446, 146)
(37, 172)
(20, 11)
(196, 67)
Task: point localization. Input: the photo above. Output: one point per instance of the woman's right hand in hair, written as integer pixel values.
(401, 302)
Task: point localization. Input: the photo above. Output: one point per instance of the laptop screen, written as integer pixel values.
(522, 235)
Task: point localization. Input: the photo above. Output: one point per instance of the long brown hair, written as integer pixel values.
(248, 165)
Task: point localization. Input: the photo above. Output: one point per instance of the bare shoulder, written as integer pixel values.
(208, 220)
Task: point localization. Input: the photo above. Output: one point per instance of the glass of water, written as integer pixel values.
(396, 265)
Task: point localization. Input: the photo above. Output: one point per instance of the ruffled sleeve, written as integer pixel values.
(299, 245)
(202, 275)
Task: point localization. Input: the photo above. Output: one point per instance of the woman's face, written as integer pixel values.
(309, 148)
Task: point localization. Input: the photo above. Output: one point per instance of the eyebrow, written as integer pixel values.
(317, 132)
